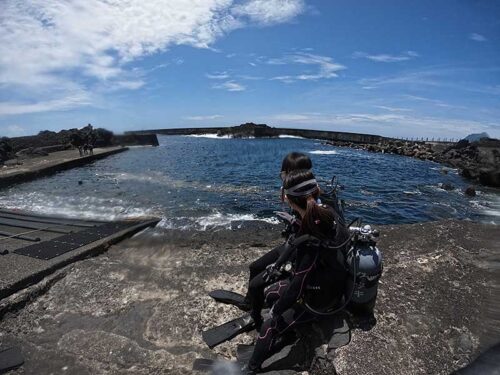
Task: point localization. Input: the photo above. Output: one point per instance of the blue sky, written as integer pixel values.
(407, 69)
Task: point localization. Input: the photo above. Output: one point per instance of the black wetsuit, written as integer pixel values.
(318, 279)
(258, 267)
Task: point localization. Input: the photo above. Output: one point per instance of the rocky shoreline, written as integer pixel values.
(140, 307)
(14, 150)
(478, 161)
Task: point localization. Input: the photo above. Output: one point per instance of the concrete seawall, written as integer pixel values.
(316, 134)
(35, 170)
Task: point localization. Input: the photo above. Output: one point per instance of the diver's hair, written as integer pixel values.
(294, 161)
(318, 220)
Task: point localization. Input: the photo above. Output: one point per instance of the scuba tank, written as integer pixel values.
(364, 263)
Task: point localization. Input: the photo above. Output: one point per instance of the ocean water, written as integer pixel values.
(205, 182)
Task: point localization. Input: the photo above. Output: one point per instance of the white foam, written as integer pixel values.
(226, 220)
(290, 136)
(106, 209)
(217, 220)
(323, 152)
(209, 135)
(161, 179)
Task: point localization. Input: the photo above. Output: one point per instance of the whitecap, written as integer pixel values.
(209, 135)
(217, 220)
(290, 136)
(416, 192)
(323, 152)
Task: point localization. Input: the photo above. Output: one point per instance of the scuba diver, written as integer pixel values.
(319, 277)
(291, 162)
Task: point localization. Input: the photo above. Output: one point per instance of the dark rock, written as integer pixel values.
(6, 151)
(470, 191)
(248, 130)
(446, 186)
(490, 177)
(12, 162)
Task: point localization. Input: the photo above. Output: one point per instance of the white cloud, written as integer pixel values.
(266, 12)
(326, 67)
(13, 131)
(446, 77)
(69, 102)
(385, 57)
(47, 44)
(389, 124)
(222, 75)
(229, 86)
(477, 37)
(393, 109)
(201, 118)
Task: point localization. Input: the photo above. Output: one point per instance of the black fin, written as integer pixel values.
(225, 332)
(10, 359)
(244, 352)
(230, 298)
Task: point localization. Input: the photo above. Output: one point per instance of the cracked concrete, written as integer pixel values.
(140, 307)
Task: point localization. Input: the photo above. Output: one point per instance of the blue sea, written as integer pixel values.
(205, 182)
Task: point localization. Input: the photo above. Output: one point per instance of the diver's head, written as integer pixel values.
(301, 191)
(294, 161)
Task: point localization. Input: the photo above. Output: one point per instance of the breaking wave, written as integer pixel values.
(209, 135)
(91, 208)
(323, 152)
(290, 136)
(216, 220)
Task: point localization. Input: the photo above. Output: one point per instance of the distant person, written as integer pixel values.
(78, 142)
(91, 141)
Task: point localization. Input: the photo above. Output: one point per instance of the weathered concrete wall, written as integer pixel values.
(178, 131)
(136, 140)
(306, 133)
(331, 135)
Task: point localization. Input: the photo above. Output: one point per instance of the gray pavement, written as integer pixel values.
(39, 166)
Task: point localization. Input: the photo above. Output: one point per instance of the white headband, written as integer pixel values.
(292, 191)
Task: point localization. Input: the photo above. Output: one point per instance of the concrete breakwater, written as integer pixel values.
(140, 307)
(262, 131)
(38, 167)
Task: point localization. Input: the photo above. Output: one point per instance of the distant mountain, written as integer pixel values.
(476, 137)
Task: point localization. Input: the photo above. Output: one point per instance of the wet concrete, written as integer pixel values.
(40, 166)
(19, 271)
(140, 307)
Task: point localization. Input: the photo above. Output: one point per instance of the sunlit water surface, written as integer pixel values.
(205, 182)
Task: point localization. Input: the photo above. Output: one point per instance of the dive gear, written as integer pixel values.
(230, 298)
(225, 332)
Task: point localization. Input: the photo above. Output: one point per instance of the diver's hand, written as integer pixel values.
(272, 273)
